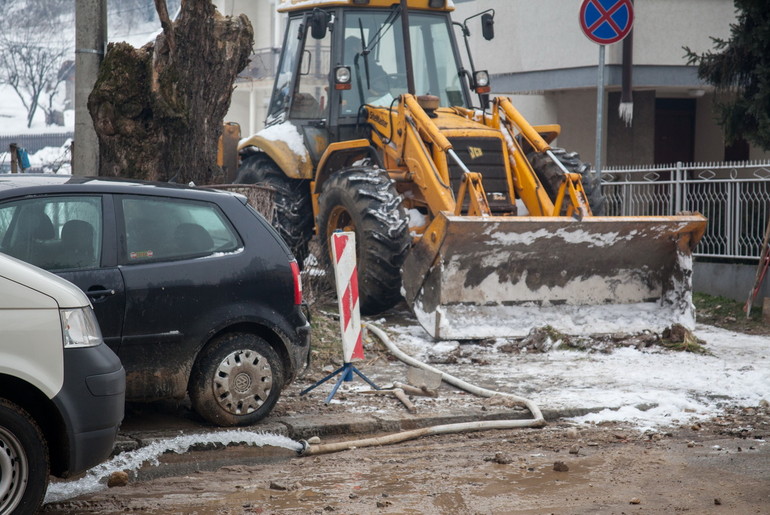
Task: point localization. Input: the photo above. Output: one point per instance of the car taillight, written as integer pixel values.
(297, 282)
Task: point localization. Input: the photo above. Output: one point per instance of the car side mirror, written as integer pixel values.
(318, 23)
(488, 26)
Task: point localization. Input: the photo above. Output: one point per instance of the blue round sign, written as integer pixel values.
(606, 21)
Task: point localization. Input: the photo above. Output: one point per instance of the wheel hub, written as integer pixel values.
(242, 382)
(13, 471)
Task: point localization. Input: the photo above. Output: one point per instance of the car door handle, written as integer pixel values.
(100, 294)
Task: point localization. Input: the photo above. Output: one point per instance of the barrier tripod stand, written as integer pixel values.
(345, 373)
(764, 261)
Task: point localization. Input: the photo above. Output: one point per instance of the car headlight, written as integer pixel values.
(80, 328)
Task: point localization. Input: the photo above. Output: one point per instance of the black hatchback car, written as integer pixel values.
(192, 288)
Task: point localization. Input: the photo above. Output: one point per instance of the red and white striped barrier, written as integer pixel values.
(346, 275)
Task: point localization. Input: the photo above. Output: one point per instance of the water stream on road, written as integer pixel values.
(96, 478)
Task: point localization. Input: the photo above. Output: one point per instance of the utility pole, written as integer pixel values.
(90, 44)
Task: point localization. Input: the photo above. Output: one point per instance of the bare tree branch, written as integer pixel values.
(30, 65)
(165, 23)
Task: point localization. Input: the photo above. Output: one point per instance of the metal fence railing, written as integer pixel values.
(34, 142)
(735, 197)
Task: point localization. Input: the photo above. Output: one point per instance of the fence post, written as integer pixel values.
(732, 207)
(678, 187)
(624, 200)
(14, 158)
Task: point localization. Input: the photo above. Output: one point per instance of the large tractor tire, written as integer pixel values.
(364, 200)
(293, 211)
(550, 175)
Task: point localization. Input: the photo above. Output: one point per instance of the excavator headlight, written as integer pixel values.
(342, 78)
(435, 4)
(481, 80)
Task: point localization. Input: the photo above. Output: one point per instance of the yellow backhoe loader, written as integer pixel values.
(466, 212)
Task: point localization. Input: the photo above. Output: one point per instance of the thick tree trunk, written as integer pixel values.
(158, 110)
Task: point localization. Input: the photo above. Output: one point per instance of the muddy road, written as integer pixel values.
(720, 466)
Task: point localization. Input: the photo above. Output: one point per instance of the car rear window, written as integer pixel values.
(169, 229)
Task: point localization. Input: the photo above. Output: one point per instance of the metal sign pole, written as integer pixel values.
(599, 114)
(604, 22)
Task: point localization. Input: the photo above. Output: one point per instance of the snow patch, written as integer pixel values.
(572, 236)
(287, 133)
(648, 388)
(416, 220)
(472, 322)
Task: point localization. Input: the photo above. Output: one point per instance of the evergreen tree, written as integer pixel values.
(739, 68)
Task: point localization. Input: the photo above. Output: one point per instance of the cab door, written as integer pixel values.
(301, 93)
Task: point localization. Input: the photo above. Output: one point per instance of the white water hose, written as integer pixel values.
(536, 421)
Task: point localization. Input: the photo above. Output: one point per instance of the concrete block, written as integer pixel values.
(423, 378)
(305, 426)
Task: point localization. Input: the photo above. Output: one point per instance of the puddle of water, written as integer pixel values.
(485, 484)
(95, 479)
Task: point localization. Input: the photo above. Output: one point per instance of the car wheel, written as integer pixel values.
(24, 466)
(236, 380)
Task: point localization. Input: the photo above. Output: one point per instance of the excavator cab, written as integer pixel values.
(338, 59)
(465, 211)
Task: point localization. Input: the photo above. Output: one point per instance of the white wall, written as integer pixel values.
(529, 35)
(546, 34)
(577, 117)
(663, 27)
(248, 106)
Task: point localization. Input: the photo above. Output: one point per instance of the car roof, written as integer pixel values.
(13, 185)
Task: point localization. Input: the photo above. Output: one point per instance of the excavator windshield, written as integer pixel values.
(374, 50)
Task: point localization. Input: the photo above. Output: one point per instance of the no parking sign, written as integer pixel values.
(606, 21)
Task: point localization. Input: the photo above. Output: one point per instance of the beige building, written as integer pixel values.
(544, 61)
(255, 85)
(541, 58)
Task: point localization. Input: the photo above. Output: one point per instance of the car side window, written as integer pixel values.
(170, 229)
(54, 233)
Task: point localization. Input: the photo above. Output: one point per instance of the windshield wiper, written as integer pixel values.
(376, 38)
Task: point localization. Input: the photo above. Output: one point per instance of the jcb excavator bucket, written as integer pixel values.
(481, 277)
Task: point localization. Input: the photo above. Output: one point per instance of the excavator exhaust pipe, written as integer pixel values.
(484, 277)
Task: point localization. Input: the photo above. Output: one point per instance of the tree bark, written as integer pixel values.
(158, 110)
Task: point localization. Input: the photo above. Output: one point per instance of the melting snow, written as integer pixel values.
(470, 322)
(648, 388)
(573, 236)
(287, 133)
